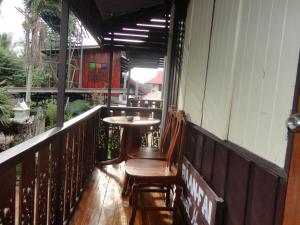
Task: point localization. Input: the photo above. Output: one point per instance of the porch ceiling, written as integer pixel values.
(121, 7)
(139, 27)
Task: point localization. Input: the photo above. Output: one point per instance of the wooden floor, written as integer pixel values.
(103, 204)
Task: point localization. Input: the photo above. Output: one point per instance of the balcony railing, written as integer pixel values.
(42, 179)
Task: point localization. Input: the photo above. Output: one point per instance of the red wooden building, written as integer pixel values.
(95, 67)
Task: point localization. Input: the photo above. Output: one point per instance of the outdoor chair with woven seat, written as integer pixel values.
(147, 173)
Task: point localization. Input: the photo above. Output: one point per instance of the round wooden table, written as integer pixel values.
(130, 138)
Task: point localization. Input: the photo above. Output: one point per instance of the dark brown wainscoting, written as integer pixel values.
(253, 189)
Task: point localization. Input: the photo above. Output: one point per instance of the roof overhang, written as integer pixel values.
(139, 27)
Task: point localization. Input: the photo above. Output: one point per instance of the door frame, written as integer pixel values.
(292, 166)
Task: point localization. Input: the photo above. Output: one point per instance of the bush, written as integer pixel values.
(77, 107)
(5, 107)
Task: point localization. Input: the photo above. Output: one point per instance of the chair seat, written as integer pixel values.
(144, 168)
(147, 153)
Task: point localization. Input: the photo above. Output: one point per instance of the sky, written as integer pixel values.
(11, 19)
(142, 74)
(11, 22)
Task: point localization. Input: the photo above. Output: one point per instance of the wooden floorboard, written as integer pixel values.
(103, 204)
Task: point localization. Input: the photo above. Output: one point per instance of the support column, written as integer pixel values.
(128, 86)
(168, 65)
(81, 67)
(111, 58)
(62, 63)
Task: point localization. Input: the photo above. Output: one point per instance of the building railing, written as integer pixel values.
(42, 179)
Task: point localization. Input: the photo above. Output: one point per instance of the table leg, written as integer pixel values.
(123, 155)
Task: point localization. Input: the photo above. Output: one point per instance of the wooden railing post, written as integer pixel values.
(62, 63)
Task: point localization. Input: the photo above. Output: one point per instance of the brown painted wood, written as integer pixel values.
(27, 189)
(56, 190)
(68, 173)
(281, 192)
(147, 173)
(219, 174)
(160, 151)
(236, 190)
(198, 153)
(253, 188)
(7, 196)
(208, 159)
(74, 167)
(292, 202)
(42, 185)
(102, 202)
(262, 195)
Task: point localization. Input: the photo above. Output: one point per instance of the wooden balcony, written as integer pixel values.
(43, 179)
(102, 203)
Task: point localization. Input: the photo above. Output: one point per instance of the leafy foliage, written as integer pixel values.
(73, 109)
(50, 114)
(11, 66)
(5, 107)
(77, 107)
(5, 41)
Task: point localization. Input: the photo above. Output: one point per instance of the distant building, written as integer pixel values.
(156, 82)
(95, 67)
(154, 87)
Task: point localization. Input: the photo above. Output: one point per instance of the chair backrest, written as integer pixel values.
(168, 129)
(176, 147)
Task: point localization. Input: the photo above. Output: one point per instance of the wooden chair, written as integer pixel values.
(150, 153)
(147, 173)
(160, 153)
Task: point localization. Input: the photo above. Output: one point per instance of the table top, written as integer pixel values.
(136, 122)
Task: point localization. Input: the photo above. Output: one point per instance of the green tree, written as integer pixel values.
(5, 107)
(11, 66)
(5, 41)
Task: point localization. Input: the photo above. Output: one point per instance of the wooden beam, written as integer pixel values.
(62, 63)
(111, 59)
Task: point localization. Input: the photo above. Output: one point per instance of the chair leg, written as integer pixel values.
(134, 205)
(168, 195)
(176, 202)
(125, 184)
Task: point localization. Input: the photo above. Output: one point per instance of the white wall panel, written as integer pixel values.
(185, 56)
(251, 73)
(265, 74)
(195, 67)
(218, 93)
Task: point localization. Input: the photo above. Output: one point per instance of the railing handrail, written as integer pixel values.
(12, 155)
(134, 108)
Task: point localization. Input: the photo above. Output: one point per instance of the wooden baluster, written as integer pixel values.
(97, 129)
(7, 196)
(42, 185)
(103, 137)
(56, 183)
(80, 157)
(85, 159)
(74, 166)
(26, 190)
(68, 174)
(95, 140)
(93, 144)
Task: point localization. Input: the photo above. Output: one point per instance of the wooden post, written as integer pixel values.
(168, 62)
(111, 58)
(62, 63)
(128, 86)
(81, 66)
